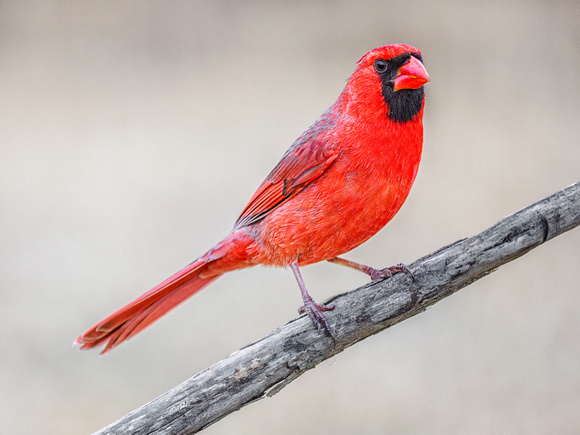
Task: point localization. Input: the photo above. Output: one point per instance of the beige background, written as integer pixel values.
(133, 133)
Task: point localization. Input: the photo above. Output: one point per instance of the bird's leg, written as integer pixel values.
(315, 311)
(371, 271)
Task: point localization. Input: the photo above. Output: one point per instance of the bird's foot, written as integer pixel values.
(316, 313)
(388, 272)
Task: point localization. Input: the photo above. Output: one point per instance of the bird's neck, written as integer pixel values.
(370, 114)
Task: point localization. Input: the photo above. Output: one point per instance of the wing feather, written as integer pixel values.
(306, 160)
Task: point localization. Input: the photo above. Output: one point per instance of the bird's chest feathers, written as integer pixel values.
(378, 167)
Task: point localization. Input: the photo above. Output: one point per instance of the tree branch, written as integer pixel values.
(263, 368)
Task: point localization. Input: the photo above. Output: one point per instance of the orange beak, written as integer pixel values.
(412, 75)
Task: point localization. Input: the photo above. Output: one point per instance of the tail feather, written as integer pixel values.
(142, 312)
(230, 254)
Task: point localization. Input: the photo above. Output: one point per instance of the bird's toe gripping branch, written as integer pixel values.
(388, 272)
(316, 313)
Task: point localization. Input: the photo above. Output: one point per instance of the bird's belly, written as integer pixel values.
(330, 217)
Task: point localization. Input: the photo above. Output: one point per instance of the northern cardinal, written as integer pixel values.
(335, 187)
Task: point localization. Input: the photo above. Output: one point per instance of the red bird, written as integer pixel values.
(337, 185)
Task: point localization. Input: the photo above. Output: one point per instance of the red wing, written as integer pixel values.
(299, 166)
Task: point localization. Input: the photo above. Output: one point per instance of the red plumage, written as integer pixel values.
(337, 185)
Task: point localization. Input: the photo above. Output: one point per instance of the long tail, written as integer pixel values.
(230, 254)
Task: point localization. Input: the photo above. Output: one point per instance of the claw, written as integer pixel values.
(319, 307)
(388, 272)
(316, 313)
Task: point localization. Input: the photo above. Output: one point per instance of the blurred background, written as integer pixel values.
(133, 133)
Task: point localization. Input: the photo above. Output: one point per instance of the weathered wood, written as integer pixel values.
(263, 368)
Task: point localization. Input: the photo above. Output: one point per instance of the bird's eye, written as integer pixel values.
(380, 65)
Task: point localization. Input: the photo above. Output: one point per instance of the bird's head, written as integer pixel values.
(390, 80)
